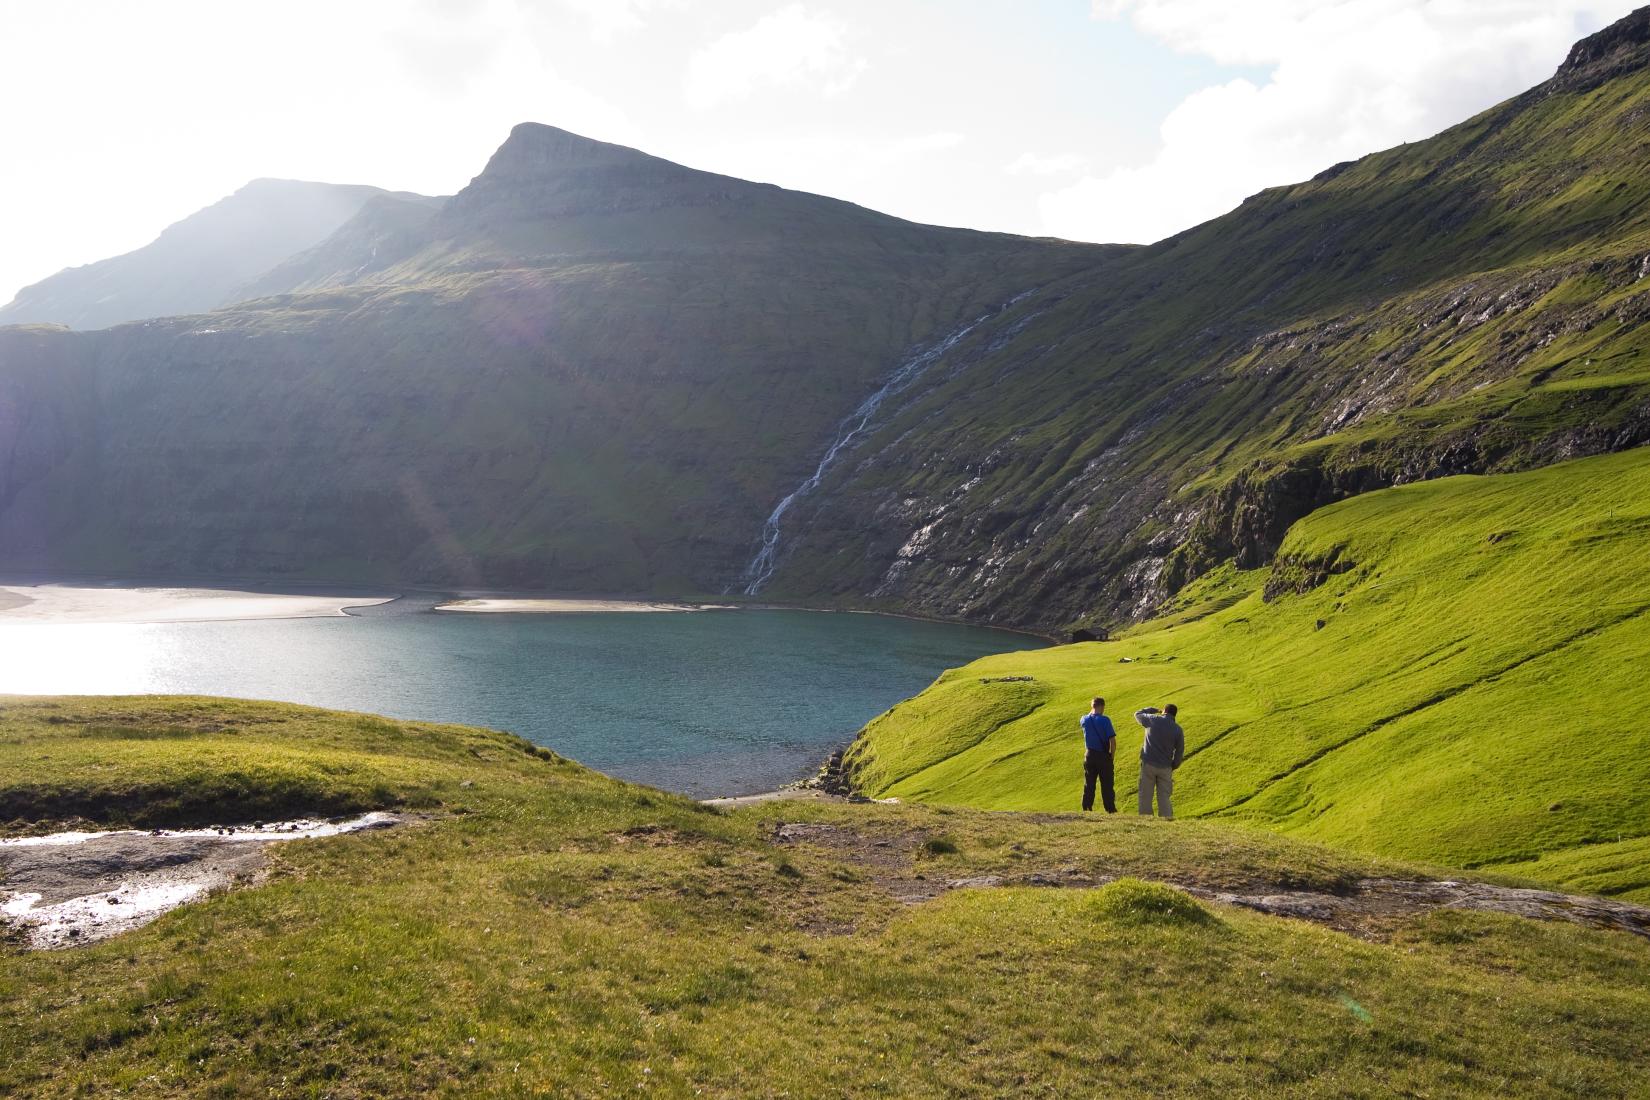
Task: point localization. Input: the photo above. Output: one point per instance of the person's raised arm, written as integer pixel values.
(1144, 716)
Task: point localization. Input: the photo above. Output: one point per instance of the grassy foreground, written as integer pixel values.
(552, 931)
(1449, 671)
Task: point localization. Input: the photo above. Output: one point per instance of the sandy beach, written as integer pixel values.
(63, 603)
(563, 607)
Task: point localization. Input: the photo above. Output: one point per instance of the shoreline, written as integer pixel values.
(11, 600)
(546, 605)
(349, 596)
(1051, 639)
(914, 617)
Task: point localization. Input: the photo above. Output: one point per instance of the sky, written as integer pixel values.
(1101, 120)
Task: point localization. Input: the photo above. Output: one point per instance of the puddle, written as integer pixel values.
(264, 831)
(71, 888)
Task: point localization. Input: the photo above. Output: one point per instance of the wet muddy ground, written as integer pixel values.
(74, 888)
(1369, 909)
(68, 889)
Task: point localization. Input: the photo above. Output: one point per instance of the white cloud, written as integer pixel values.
(609, 18)
(1033, 164)
(788, 48)
(1349, 77)
(837, 164)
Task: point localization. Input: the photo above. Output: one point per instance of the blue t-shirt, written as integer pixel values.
(1097, 731)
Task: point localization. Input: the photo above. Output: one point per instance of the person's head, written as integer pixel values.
(1098, 706)
(1171, 710)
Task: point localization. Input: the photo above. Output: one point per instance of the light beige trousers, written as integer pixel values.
(1160, 780)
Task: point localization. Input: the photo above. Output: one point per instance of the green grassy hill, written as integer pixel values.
(546, 930)
(1449, 671)
(1476, 302)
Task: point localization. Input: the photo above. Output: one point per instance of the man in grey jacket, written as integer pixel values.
(1161, 754)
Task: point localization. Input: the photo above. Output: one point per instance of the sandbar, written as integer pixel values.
(64, 603)
(564, 606)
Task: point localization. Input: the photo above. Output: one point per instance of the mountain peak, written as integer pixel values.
(542, 172)
(1619, 48)
(534, 149)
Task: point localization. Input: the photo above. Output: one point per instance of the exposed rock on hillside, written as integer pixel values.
(1620, 48)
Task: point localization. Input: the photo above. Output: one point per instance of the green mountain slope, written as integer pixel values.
(202, 262)
(1475, 302)
(1450, 671)
(594, 370)
(544, 929)
(590, 370)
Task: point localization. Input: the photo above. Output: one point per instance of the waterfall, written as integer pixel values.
(761, 566)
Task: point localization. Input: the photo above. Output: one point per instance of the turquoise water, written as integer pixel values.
(708, 703)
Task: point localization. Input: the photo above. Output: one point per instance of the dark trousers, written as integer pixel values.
(1098, 765)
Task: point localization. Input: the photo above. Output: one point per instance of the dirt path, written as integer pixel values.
(1370, 909)
(75, 888)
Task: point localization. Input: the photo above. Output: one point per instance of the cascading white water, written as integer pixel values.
(761, 566)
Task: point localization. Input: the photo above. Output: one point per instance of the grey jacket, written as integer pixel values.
(1165, 741)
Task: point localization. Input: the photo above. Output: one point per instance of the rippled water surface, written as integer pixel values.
(719, 702)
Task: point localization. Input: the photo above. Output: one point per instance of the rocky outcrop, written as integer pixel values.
(1619, 49)
(1292, 575)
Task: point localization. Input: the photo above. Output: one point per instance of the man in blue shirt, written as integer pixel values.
(1100, 746)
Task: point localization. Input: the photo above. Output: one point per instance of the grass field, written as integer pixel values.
(1449, 671)
(551, 931)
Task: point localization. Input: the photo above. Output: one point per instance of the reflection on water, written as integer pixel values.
(81, 659)
(708, 703)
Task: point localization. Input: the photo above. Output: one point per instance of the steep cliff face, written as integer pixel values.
(1615, 51)
(41, 409)
(1475, 302)
(591, 370)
